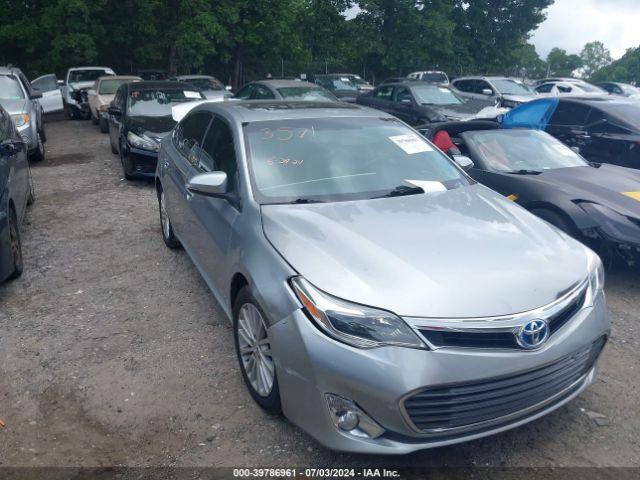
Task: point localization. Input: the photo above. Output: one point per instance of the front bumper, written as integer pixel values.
(309, 365)
(141, 163)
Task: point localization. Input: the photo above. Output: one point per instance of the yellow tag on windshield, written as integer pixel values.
(634, 195)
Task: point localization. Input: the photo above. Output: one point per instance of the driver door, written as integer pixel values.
(51, 100)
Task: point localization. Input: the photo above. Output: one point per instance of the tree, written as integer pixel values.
(594, 56)
(561, 64)
(626, 69)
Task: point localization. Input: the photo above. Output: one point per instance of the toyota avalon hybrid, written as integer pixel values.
(380, 298)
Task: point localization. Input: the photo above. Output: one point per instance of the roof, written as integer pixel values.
(285, 83)
(9, 70)
(193, 77)
(90, 68)
(119, 77)
(412, 82)
(604, 99)
(151, 84)
(265, 110)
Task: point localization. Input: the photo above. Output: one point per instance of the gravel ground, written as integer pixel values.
(113, 352)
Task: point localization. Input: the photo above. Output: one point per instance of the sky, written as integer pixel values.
(572, 23)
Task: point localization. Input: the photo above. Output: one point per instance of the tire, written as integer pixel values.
(248, 318)
(94, 119)
(125, 170)
(104, 126)
(38, 154)
(71, 113)
(43, 134)
(31, 198)
(114, 150)
(169, 237)
(16, 245)
(556, 219)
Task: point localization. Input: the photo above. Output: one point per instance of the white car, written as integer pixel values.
(74, 89)
(47, 85)
(568, 88)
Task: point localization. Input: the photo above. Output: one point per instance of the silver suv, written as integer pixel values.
(21, 102)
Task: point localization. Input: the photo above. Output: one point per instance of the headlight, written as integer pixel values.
(596, 276)
(20, 119)
(353, 324)
(143, 142)
(611, 222)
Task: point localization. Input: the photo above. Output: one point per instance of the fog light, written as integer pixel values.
(350, 418)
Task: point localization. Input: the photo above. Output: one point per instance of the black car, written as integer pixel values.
(419, 103)
(606, 130)
(341, 86)
(284, 90)
(16, 192)
(139, 117)
(598, 204)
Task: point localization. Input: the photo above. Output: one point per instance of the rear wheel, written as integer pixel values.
(31, 199)
(253, 348)
(43, 134)
(15, 245)
(168, 236)
(38, 154)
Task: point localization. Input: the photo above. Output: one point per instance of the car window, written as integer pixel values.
(384, 93)
(47, 83)
(109, 86)
(401, 95)
(189, 133)
(10, 88)
(510, 87)
(569, 113)
(435, 95)
(87, 75)
(220, 152)
(464, 85)
(245, 92)
(545, 88)
(262, 93)
(433, 77)
(628, 113)
(481, 85)
(118, 100)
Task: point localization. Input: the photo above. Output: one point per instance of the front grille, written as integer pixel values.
(469, 405)
(497, 339)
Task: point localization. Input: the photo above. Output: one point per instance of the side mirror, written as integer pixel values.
(115, 111)
(35, 95)
(487, 91)
(8, 148)
(212, 184)
(463, 162)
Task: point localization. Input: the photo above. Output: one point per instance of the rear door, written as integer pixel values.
(381, 98)
(404, 107)
(47, 85)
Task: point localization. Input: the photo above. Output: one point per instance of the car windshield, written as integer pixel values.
(158, 102)
(306, 93)
(434, 77)
(334, 159)
(509, 87)
(434, 95)
(340, 83)
(86, 75)
(109, 87)
(205, 83)
(629, 113)
(10, 88)
(521, 150)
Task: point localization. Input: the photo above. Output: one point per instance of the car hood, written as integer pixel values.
(519, 98)
(155, 127)
(460, 111)
(466, 252)
(105, 99)
(14, 106)
(605, 185)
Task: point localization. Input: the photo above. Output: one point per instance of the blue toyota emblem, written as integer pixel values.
(533, 334)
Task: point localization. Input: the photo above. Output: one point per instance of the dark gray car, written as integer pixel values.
(284, 90)
(421, 103)
(380, 298)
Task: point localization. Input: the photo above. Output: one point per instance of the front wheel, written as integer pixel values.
(253, 348)
(169, 237)
(38, 154)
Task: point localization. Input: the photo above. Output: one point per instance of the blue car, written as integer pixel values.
(16, 192)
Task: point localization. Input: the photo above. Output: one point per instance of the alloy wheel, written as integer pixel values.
(255, 350)
(164, 217)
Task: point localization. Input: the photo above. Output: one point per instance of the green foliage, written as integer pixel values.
(626, 69)
(562, 64)
(594, 56)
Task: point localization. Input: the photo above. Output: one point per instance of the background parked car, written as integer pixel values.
(430, 76)
(100, 96)
(16, 192)
(22, 103)
(140, 117)
(594, 203)
(211, 87)
(508, 92)
(362, 85)
(48, 86)
(149, 74)
(74, 90)
(577, 89)
(419, 103)
(284, 89)
(617, 88)
(341, 86)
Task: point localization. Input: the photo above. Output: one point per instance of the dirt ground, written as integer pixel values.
(113, 351)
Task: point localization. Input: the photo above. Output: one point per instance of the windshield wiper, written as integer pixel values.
(524, 171)
(304, 200)
(402, 190)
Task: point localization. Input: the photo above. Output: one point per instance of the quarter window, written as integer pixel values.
(245, 92)
(384, 93)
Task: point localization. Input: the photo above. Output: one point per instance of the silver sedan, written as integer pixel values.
(380, 298)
